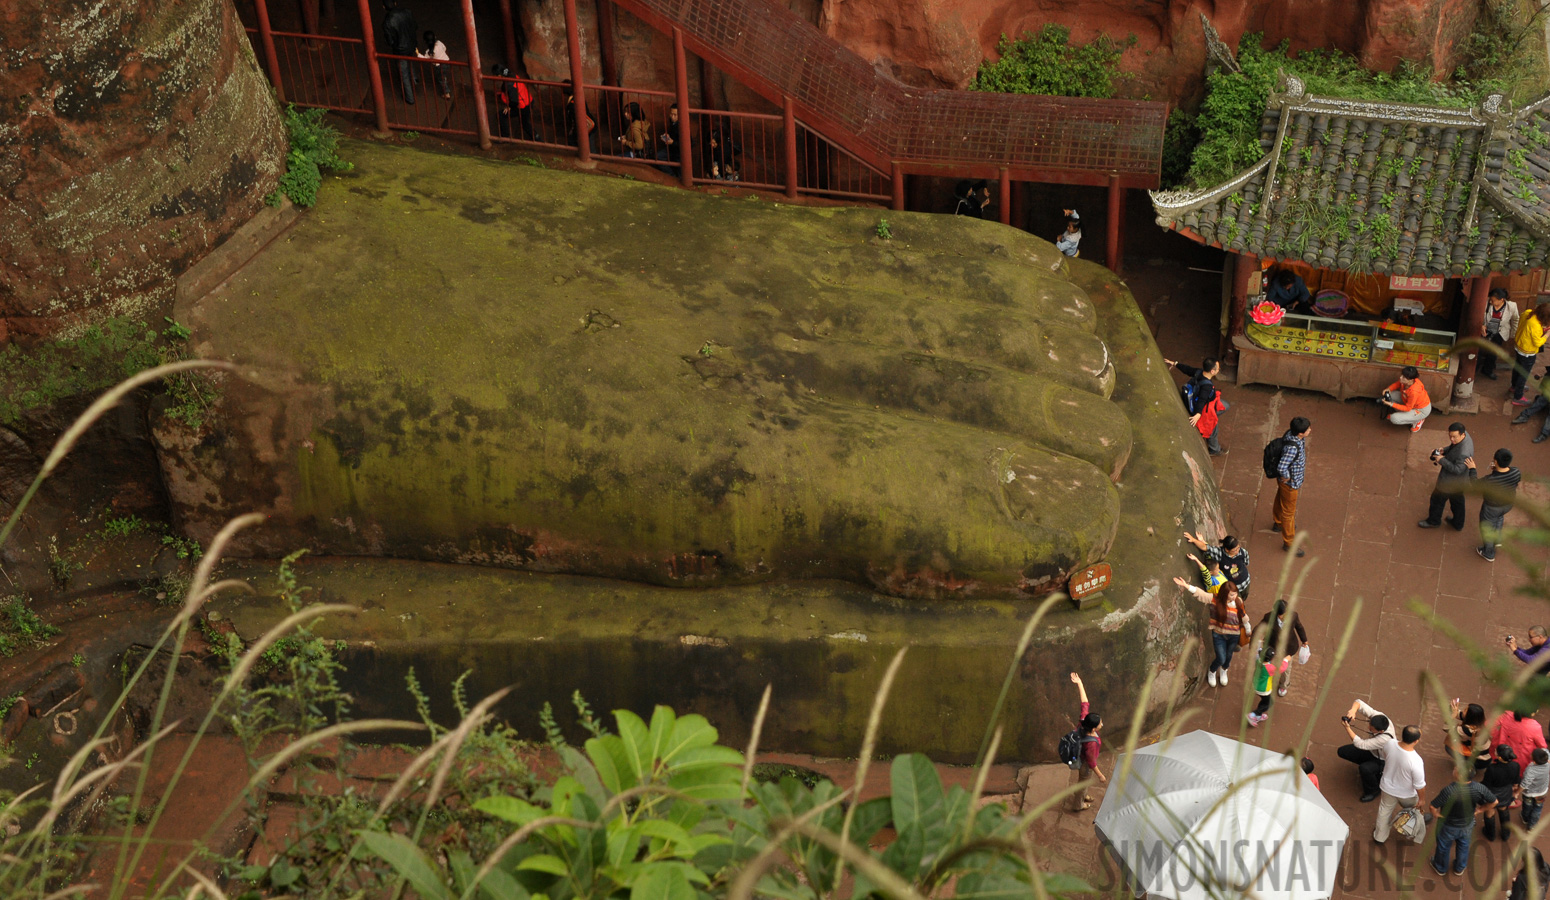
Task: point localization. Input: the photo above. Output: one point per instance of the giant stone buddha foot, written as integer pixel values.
(843, 444)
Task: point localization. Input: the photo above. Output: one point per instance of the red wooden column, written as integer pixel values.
(578, 87)
(1116, 223)
(481, 117)
(309, 16)
(266, 38)
(1469, 326)
(681, 87)
(789, 132)
(897, 179)
(1005, 211)
(1243, 268)
(373, 68)
(509, 36)
(1019, 204)
(605, 41)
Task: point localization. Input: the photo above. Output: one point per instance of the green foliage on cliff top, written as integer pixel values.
(1046, 62)
(1229, 119)
(314, 147)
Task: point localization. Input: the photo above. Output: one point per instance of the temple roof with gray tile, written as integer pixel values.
(1391, 188)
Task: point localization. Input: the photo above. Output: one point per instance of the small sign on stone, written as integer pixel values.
(1086, 584)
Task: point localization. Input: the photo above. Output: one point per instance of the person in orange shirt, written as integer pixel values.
(1408, 398)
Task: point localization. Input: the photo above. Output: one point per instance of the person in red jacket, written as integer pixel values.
(1408, 399)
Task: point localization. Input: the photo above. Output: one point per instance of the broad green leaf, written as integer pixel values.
(583, 770)
(544, 862)
(689, 732)
(564, 796)
(636, 740)
(509, 809)
(994, 884)
(607, 755)
(408, 861)
(906, 854)
(662, 881)
(955, 809)
(869, 818)
(662, 722)
(623, 842)
(662, 830)
(497, 885)
(918, 806)
(709, 783)
(706, 756)
(685, 815)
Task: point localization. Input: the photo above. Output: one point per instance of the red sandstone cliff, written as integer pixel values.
(939, 43)
(136, 137)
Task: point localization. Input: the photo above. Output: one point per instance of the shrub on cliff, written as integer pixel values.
(313, 149)
(1046, 62)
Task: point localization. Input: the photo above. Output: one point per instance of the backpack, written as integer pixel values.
(1273, 453)
(1190, 394)
(1070, 748)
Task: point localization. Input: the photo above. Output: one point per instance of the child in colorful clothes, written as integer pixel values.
(1536, 783)
(1265, 673)
(1210, 573)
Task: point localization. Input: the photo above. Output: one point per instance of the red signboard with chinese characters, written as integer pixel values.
(1090, 581)
(1415, 282)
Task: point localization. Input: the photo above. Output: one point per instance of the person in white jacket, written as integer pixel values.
(1498, 327)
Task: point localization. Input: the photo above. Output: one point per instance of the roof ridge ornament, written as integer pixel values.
(1217, 49)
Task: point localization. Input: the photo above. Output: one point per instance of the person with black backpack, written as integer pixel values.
(1202, 401)
(1080, 747)
(1286, 459)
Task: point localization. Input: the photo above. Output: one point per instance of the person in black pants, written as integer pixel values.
(1452, 478)
(1367, 752)
(398, 31)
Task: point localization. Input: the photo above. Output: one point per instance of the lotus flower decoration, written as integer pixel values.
(1267, 313)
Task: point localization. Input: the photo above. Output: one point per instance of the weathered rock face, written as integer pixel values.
(137, 137)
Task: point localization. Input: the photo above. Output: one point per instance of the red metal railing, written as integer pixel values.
(543, 123)
(442, 94)
(737, 147)
(318, 70)
(826, 169)
(749, 149)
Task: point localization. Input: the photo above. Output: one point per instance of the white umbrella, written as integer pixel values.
(1204, 816)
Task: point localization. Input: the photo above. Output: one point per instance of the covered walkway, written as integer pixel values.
(844, 130)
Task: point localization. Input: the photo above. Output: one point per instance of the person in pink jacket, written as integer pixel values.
(1520, 731)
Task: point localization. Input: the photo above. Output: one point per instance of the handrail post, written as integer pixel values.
(578, 87)
(373, 67)
(605, 42)
(1005, 212)
(266, 38)
(508, 36)
(481, 116)
(789, 126)
(681, 86)
(896, 177)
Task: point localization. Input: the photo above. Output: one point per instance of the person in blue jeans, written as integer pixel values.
(1456, 808)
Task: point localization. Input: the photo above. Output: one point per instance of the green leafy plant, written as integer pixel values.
(883, 231)
(20, 627)
(313, 148)
(78, 660)
(62, 564)
(122, 526)
(1046, 62)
